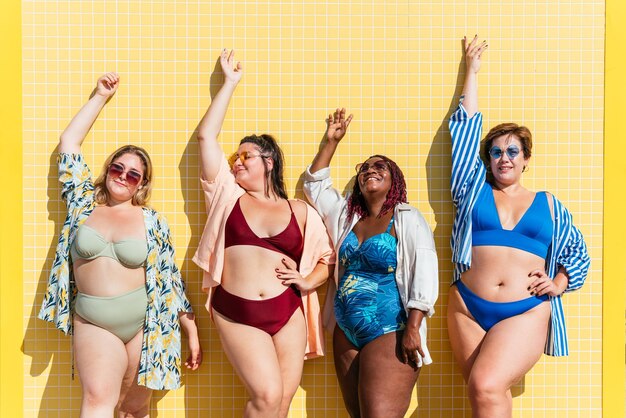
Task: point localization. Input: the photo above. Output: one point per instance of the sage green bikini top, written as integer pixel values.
(90, 244)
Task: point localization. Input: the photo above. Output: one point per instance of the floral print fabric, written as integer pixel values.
(367, 302)
(160, 361)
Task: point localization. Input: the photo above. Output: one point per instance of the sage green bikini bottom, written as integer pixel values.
(122, 315)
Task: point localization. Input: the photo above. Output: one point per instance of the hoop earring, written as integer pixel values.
(525, 169)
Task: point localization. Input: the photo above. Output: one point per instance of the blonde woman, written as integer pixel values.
(114, 283)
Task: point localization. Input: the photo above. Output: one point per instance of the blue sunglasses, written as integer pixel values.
(512, 151)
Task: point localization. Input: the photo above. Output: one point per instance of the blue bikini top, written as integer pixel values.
(533, 232)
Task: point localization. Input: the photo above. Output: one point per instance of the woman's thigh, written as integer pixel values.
(385, 382)
(346, 358)
(101, 360)
(511, 348)
(134, 399)
(290, 344)
(465, 335)
(252, 354)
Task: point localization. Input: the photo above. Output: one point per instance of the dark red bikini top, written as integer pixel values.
(288, 242)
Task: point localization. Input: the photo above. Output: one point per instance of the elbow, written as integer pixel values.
(331, 271)
(63, 139)
(206, 138)
(203, 134)
(68, 144)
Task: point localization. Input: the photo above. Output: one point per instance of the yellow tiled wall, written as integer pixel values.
(395, 65)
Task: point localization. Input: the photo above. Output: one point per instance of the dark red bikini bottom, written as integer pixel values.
(269, 315)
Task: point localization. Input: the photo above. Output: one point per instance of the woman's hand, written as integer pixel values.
(337, 125)
(195, 353)
(412, 351)
(543, 285)
(473, 52)
(291, 276)
(74, 135)
(211, 123)
(188, 324)
(107, 85)
(412, 346)
(232, 72)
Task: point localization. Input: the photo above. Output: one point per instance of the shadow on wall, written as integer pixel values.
(43, 343)
(436, 388)
(49, 348)
(433, 387)
(46, 345)
(215, 371)
(318, 376)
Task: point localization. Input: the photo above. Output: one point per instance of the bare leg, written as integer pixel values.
(101, 361)
(464, 333)
(493, 362)
(385, 382)
(253, 356)
(509, 350)
(347, 368)
(134, 399)
(290, 343)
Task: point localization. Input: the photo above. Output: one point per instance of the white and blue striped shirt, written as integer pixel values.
(568, 247)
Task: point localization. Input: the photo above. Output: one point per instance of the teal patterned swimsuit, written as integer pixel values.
(367, 303)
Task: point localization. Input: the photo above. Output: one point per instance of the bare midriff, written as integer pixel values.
(250, 272)
(501, 274)
(105, 277)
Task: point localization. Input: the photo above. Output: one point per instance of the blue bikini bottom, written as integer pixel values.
(488, 313)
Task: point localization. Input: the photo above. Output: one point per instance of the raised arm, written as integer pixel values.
(211, 124)
(337, 128)
(466, 128)
(473, 52)
(75, 133)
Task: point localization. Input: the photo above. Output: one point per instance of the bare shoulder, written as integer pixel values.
(300, 210)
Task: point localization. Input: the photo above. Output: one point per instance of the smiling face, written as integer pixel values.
(251, 174)
(374, 177)
(507, 170)
(120, 186)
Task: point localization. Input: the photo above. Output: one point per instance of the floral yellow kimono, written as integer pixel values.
(160, 361)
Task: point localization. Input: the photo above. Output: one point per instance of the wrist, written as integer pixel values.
(561, 283)
(308, 283)
(101, 98)
(415, 318)
(330, 142)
